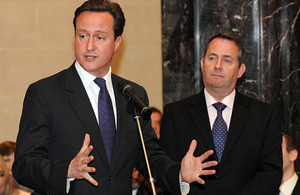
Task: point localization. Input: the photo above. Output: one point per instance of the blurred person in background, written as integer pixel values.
(140, 186)
(155, 120)
(290, 184)
(7, 151)
(5, 184)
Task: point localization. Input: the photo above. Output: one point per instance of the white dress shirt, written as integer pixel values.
(287, 187)
(92, 89)
(134, 191)
(212, 112)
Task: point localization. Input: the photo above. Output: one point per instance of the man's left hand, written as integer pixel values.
(193, 167)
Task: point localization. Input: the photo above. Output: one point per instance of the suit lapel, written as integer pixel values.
(199, 114)
(121, 105)
(81, 104)
(240, 115)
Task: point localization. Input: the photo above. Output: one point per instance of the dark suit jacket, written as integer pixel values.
(252, 159)
(296, 190)
(57, 114)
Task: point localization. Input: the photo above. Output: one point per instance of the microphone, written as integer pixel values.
(135, 99)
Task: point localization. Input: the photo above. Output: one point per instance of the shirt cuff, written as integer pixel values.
(184, 187)
(68, 184)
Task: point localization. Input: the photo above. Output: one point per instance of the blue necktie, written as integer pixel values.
(219, 130)
(106, 118)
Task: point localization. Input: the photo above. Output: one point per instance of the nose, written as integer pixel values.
(218, 64)
(9, 166)
(90, 44)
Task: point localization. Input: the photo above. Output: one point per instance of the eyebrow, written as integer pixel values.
(226, 56)
(97, 31)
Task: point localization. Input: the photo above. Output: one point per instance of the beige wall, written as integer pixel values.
(37, 40)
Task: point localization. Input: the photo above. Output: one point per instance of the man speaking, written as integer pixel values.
(77, 133)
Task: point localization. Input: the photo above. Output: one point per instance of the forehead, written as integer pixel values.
(221, 46)
(88, 19)
(11, 155)
(155, 114)
(283, 141)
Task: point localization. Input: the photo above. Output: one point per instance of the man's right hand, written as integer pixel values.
(78, 167)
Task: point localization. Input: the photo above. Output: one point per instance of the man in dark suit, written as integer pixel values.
(290, 183)
(65, 110)
(245, 135)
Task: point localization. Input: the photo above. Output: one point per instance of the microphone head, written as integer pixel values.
(127, 86)
(135, 99)
(123, 85)
(146, 113)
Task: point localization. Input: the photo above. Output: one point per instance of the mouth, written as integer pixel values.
(217, 75)
(90, 57)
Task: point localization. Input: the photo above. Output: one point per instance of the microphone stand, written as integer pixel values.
(151, 179)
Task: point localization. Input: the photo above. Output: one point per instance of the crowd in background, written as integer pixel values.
(8, 184)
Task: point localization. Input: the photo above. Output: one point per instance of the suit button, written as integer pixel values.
(110, 178)
(218, 176)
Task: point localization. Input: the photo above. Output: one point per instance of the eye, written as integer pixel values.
(227, 61)
(82, 36)
(212, 58)
(99, 38)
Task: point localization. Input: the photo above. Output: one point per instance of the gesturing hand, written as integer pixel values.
(78, 167)
(192, 167)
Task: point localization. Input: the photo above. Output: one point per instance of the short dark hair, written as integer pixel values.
(104, 6)
(153, 109)
(7, 147)
(290, 143)
(231, 37)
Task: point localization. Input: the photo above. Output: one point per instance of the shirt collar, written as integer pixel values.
(88, 78)
(228, 100)
(288, 186)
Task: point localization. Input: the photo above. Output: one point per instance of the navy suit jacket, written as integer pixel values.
(252, 159)
(56, 116)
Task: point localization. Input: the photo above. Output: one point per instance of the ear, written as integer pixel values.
(242, 70)
(201, 62)
(293, 155)
(117, 43)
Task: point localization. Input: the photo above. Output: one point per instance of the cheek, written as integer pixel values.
(9, 164)
(204, 73)
(207, 70)
(76, 52)
(79, 47)
(2, 181)
(105, 52)
(232, 76)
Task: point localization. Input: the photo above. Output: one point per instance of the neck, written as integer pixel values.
(218, 96)
(288, 174)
